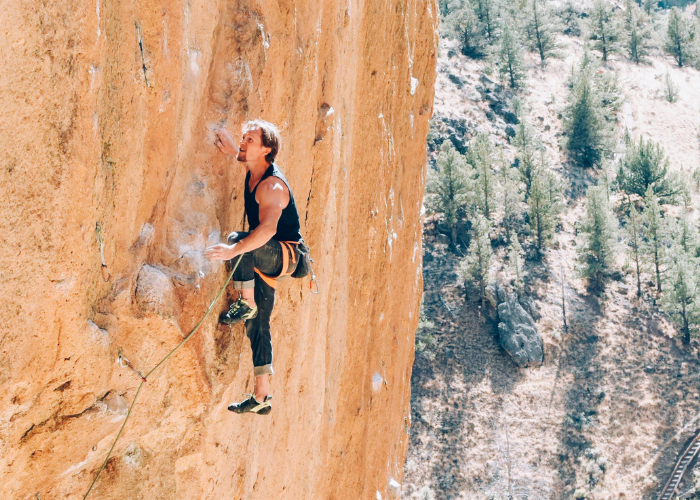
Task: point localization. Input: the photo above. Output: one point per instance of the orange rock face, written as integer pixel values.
(106, 117)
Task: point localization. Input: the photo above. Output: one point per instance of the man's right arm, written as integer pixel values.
(224, 141)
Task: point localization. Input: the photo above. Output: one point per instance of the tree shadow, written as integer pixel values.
(579, 363)
(467, 354)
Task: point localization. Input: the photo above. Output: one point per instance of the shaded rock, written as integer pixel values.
(510, 131)
(485, 80)
(518, 333)
(155, 292)
(455, 79)
(510, 117)
(530, 306)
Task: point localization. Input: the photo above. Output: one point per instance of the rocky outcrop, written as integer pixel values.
(517, 333)
(107, 116)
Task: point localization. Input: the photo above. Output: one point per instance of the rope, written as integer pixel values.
(143, 381)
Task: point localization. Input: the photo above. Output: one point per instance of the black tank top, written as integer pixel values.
(288, 228)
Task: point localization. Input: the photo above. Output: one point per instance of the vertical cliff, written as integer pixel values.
(106, 115)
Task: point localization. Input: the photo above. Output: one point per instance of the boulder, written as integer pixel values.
(518, 333)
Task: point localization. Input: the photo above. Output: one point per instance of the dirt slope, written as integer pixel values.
(617, 398)
(106, 117)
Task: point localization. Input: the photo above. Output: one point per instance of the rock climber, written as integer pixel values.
(269, 249)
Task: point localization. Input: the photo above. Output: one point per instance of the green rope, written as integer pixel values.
(194, 330)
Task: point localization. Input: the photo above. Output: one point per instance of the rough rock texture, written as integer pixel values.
(517, 333)
(94, 128)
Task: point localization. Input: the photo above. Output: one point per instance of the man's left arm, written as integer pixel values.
(272, 196)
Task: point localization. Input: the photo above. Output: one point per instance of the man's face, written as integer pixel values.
(251, 148)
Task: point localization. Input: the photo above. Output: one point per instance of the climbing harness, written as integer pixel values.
(288, 253)
(125, 363)
(100, 241)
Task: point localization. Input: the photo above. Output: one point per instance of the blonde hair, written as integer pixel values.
(270, 136)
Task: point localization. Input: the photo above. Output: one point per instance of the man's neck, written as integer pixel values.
(257, 169)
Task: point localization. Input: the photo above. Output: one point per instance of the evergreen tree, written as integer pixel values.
(541, 30)
(511, 195)
(584, 122)
(604, 30)
(570, 14)
(481, 156)
(515, 261)
(463, 25)
(678, 37)
(634, 231)
(447, 187)
(487, 13)
(599, 227)
(685, 235)
(609, 90)
(480, 257)
(670, 88)
(681, 296)
(649, 6)
(511, 64)
(528, 143)
(638, 33)
(644, 167)
(543, 206)
(655, 234)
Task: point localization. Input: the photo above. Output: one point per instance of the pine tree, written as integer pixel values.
(599, 228)
(604, 29)
(481, 156)
(464, 26)
(678, 37)
(515, 261)
(645, 166)
(480, 257)
(541, 30)
(655, 234)
(633, 229)
(638, 33)
(511, 64)
(682, 292)
(487, 13)
(570, 13)
(528, 143)
(585, 127)
(609, 90)
(670, 88)
(685, 235)
(511, 195)
(543, 206)
(447, 187)
(650, 6)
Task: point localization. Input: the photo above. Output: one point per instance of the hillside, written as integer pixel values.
(618, 395)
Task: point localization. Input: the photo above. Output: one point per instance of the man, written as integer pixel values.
(269, 250)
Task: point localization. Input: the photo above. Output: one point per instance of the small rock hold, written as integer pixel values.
(155, 292)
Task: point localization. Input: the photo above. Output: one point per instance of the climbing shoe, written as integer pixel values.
(239, 311)
(250, 405)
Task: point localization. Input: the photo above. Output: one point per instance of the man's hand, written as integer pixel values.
(224, 141)
(221, 252)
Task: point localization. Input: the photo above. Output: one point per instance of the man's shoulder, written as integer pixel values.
(272, 185)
